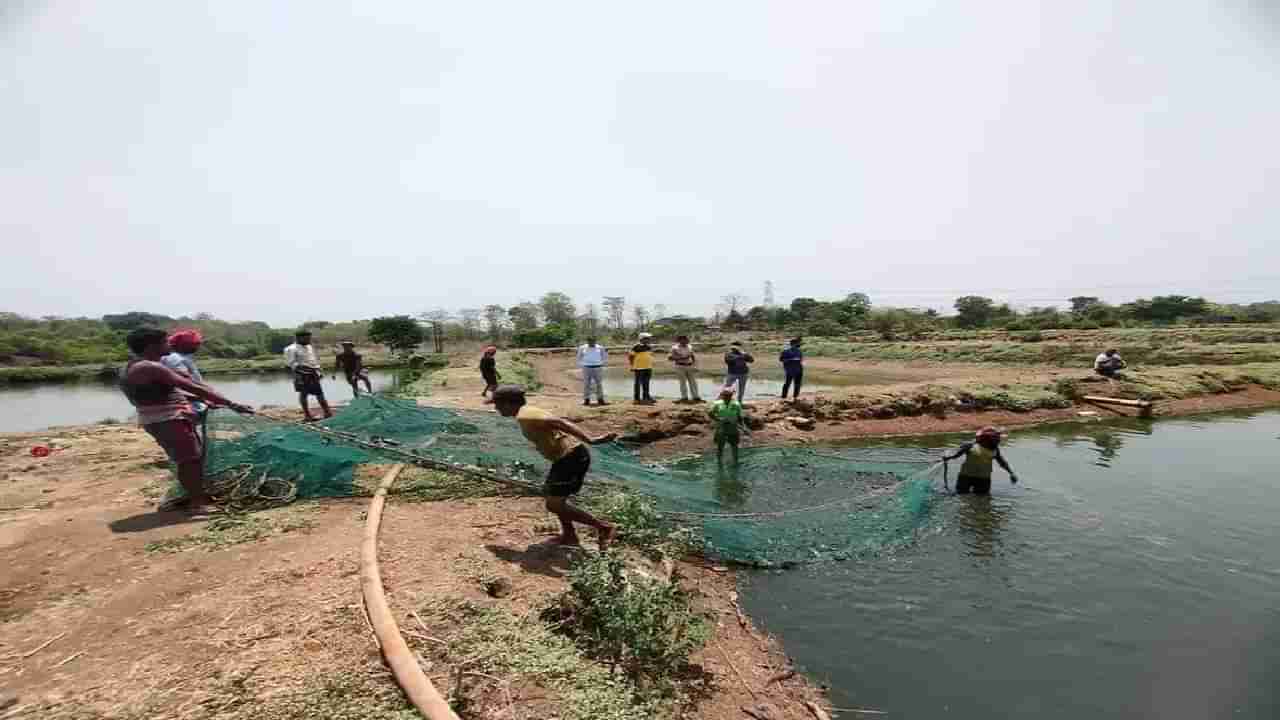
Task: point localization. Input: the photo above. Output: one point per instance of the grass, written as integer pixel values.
(1074, 353)
(518, 369)
(229, 529)
(498, 643)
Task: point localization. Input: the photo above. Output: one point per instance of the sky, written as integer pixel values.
(289, 160)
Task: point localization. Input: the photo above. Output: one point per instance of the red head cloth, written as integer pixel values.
(186, 340)
(988, 432)
(489, 350)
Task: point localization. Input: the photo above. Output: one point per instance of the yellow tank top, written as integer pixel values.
(551, 443)
(642, 357)
(977, 462)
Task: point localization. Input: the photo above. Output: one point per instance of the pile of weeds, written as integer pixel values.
(642, 527)
(490, 649)
(422, 485)
(644, 627)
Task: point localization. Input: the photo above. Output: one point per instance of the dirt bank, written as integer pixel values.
(917, 399)
(110, 610)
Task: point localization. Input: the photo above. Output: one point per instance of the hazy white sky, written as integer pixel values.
(294, 160)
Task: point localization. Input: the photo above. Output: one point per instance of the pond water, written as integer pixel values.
(34, 407)
(1133, 573)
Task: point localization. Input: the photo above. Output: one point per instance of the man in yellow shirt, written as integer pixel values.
(641, 361)
(565, 445)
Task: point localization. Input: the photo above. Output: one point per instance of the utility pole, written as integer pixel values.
(768, 294)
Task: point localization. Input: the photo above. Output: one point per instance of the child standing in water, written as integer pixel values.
(975, 473)
(727, 415)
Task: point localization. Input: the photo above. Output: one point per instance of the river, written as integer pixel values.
(25, 408)
(1133, 573)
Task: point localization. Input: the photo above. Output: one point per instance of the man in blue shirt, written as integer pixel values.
(793, 365)
(592, 358)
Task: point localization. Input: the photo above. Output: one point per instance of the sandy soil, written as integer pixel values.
(96, 623)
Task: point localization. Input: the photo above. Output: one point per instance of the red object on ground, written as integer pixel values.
(40, 451)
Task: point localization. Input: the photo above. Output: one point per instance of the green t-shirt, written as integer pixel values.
(727, 414)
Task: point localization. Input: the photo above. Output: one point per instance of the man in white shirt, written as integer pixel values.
(592, 358)
(1108, 364)
(686, 362)
(300, 358)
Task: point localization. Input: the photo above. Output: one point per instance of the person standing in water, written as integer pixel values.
(592, 357)
(727, 414)
(157, 392)
(351, 363)
(565, 446)
(792, 360)
(738, 367)
(640, 359)
(489, 372)
(975, 473)
(300, 358)
(686, 363)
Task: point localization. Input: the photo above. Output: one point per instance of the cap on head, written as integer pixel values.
(988, 433)
(726, 393)
(185, 340)
(348, 343)
(645, 335)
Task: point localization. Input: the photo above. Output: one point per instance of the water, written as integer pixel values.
(1133, 573)
(25, 408)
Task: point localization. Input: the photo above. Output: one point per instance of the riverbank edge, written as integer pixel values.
(214, 367)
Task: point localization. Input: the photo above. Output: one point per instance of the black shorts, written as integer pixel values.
(979, 486)
(567, 473)
(308, 384)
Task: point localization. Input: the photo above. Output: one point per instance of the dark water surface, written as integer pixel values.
(34, 407)
(1133, 573)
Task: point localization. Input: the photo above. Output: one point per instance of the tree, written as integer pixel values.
(616, 306)
(524, 316)
(859, 304)
(732, 302)
(470, 318)
(642, 316)
(802, 309)
(136, 319)
(1080, 304)
(401, 333)
(590, 319)
(758, 317)
(494, 320)
(973, 311)
(557, 308)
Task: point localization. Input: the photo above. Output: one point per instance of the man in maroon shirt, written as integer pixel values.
(165, 413)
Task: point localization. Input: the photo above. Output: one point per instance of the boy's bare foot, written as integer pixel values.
(606, 535)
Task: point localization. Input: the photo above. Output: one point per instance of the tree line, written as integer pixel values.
(555, 320)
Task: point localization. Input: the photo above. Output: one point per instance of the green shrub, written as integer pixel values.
(547, 336)
(644, 626)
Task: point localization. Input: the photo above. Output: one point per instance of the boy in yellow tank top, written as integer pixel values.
(565, 446)
(975, 473)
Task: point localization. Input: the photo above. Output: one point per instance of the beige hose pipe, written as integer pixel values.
(404, 666)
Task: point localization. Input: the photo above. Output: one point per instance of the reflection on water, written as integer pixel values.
(25, 408)
(1138, 560)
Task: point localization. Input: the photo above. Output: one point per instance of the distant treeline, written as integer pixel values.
(555, 320)
(77, 341)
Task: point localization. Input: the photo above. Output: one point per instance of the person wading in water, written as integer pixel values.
(565, 445)
(975, 473)
(165, 412)
(300, 358)
(351, 363)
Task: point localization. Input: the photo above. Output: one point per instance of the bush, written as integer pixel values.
(547, 336)
(826, 328)
(644, 626)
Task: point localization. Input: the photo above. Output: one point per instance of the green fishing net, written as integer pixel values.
(777, 506)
